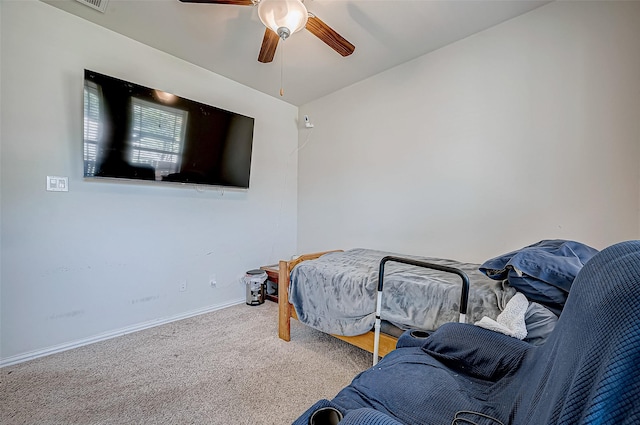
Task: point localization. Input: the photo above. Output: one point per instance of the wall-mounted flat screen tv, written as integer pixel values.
(135, 132)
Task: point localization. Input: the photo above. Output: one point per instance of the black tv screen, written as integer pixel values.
(135, 132)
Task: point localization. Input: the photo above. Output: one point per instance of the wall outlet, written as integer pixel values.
(212, 281)
(183, 286)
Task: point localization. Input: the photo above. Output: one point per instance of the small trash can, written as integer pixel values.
(256, 282)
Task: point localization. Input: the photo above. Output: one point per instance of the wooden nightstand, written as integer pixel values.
(272, 276)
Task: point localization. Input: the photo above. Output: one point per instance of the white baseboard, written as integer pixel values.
(108, 335)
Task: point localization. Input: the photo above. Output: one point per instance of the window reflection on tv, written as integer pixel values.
(135, 132)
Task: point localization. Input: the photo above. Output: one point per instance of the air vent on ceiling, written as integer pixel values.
(100, 5)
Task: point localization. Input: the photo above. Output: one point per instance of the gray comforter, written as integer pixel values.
(336, 293)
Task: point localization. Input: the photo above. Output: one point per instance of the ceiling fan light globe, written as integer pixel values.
(279, 15)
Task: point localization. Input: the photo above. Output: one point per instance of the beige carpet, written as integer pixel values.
(225, 367)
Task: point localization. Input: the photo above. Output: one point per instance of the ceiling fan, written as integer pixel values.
(283, 18)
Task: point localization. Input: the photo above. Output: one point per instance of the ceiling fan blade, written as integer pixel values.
(269, 45)
(236, 2)
(325, 33)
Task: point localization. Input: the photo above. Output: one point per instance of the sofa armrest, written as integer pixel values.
(476, 351)
(368, 416)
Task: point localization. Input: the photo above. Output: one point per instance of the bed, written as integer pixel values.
(413, 297)
(417, 298)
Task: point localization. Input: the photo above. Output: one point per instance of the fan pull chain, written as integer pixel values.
(282, 70)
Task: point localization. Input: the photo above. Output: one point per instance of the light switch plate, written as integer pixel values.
(57, 184)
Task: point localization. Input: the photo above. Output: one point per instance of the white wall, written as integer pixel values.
(1, 180)
(107, 257)
(526, 131)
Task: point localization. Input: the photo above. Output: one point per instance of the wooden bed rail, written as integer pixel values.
(286, 311)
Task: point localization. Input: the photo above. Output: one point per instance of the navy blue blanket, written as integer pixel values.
(543, 271)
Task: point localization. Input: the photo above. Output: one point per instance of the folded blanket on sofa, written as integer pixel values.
(512, 319)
